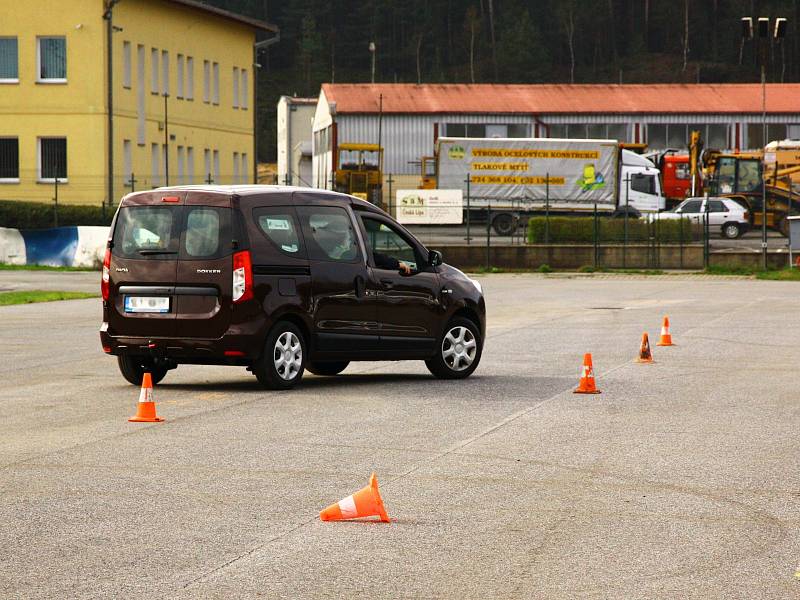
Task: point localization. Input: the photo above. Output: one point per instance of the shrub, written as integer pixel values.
(41, 215)
(581, 230)
(545, 268)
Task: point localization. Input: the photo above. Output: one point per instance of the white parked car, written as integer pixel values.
(730, 217)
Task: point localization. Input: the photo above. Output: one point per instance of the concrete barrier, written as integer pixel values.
(566, 256)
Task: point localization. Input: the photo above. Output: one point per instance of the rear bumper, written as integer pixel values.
(228, 349)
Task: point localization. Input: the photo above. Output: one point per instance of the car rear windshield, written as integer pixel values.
(169, 232)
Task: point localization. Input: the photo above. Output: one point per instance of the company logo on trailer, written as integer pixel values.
(456, 152)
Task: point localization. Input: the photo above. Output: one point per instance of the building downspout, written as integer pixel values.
(107, 15)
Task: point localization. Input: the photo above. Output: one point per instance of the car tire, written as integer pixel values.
(460, 342)
(281, 364)
(327, 368)
(133, 369)
(731, 230)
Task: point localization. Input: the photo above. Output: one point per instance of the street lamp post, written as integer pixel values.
(765, 36)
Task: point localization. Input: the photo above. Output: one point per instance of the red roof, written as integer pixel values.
(683, 98)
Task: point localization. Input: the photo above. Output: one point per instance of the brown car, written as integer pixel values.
(278, 280)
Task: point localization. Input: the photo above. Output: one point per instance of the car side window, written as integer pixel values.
(716, 206)
(387, 245)
(280, 227)
(329, 233)
(693, 206)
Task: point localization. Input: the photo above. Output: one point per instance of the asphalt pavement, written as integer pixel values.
(680, 480)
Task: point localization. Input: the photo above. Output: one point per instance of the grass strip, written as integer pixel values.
(31, 296)
(6, 267)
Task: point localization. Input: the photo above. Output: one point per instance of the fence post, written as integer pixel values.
(705, 240)
(658, 240)
(488, 236)
(625, 225)
(596, 223)
(468, 207)
(547, 209)
(681, 239)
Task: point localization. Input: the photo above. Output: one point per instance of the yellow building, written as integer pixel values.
(182, 94)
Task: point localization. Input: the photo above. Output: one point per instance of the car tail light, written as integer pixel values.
(242, 276)
(104, 282)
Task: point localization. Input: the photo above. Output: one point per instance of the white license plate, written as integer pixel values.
(146, 304)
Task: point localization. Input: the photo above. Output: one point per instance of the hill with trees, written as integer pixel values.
(519, 41)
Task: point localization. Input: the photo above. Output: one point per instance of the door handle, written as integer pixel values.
(389, 283)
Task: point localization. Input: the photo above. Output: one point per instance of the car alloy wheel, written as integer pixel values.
(459, 348)
(287, 355)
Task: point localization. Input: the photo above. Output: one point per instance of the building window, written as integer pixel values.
(216, 166)
(165, 72)
(9, 60)
(9, 160)
(180, 165)
(206, 81)
(717, 136)
(519, 130)
(235, 167)
(179, 75)
(51, 58)
(155, 161)
(596, 131)
(140, 95)
(557, 131)
(243, 175)
(154, 71)
(126, 65)
(189, 78)
(656, 136)
(216, 83)
(618, 131)
(52, 159)
(190, 164)
(127, 162)
(243, 99)
(677, 136)
(236, 89)
(207, 165)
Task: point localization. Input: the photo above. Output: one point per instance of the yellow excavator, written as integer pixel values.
(359, 171)
(739, 176)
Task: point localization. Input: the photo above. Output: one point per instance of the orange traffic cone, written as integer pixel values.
(146, 412)
(364, 503)
(666, 338)
(645, 355)
(586, 384)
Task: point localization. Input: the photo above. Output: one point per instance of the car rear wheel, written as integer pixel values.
(327, 368)
(458, 352)
(731, 230)
(504, 224)
(281, 364)
(133, 369)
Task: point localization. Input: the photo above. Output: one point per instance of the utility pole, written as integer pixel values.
(765, 37)
(372, 52)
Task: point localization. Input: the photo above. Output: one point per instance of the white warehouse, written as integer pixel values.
(407, 119)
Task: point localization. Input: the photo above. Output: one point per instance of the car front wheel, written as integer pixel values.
(281, 364)
(458, 352)
(731, 230)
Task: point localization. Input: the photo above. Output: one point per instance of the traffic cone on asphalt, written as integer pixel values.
(645, 355)
(586, 384)
(364, 503)
(146, 413)
(666, 338)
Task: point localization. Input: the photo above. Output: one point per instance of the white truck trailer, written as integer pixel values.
(520, 177)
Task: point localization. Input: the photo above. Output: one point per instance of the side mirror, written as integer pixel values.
(435, 258)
